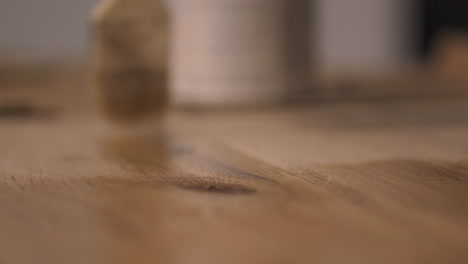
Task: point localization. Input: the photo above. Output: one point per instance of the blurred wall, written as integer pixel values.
(349, 36)
(363, 36)
(45, 29)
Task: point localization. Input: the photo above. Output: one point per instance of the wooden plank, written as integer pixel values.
(379, 182)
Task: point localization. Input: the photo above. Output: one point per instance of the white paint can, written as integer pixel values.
(234, 52)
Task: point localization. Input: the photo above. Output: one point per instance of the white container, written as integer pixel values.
(231, 52)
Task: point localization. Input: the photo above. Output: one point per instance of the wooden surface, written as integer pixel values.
(381, 182)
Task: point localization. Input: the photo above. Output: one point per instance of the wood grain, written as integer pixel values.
(383, 182)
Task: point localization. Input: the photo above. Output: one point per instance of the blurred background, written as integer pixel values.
(357, 47)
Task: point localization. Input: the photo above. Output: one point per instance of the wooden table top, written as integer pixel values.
(380, 182)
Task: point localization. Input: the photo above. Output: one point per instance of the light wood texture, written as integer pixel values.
(381, 182)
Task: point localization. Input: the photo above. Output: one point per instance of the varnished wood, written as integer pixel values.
(375, 182)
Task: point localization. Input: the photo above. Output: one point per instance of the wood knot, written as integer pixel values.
(229, 189)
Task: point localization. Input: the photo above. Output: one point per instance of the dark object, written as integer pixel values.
(437, 16)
